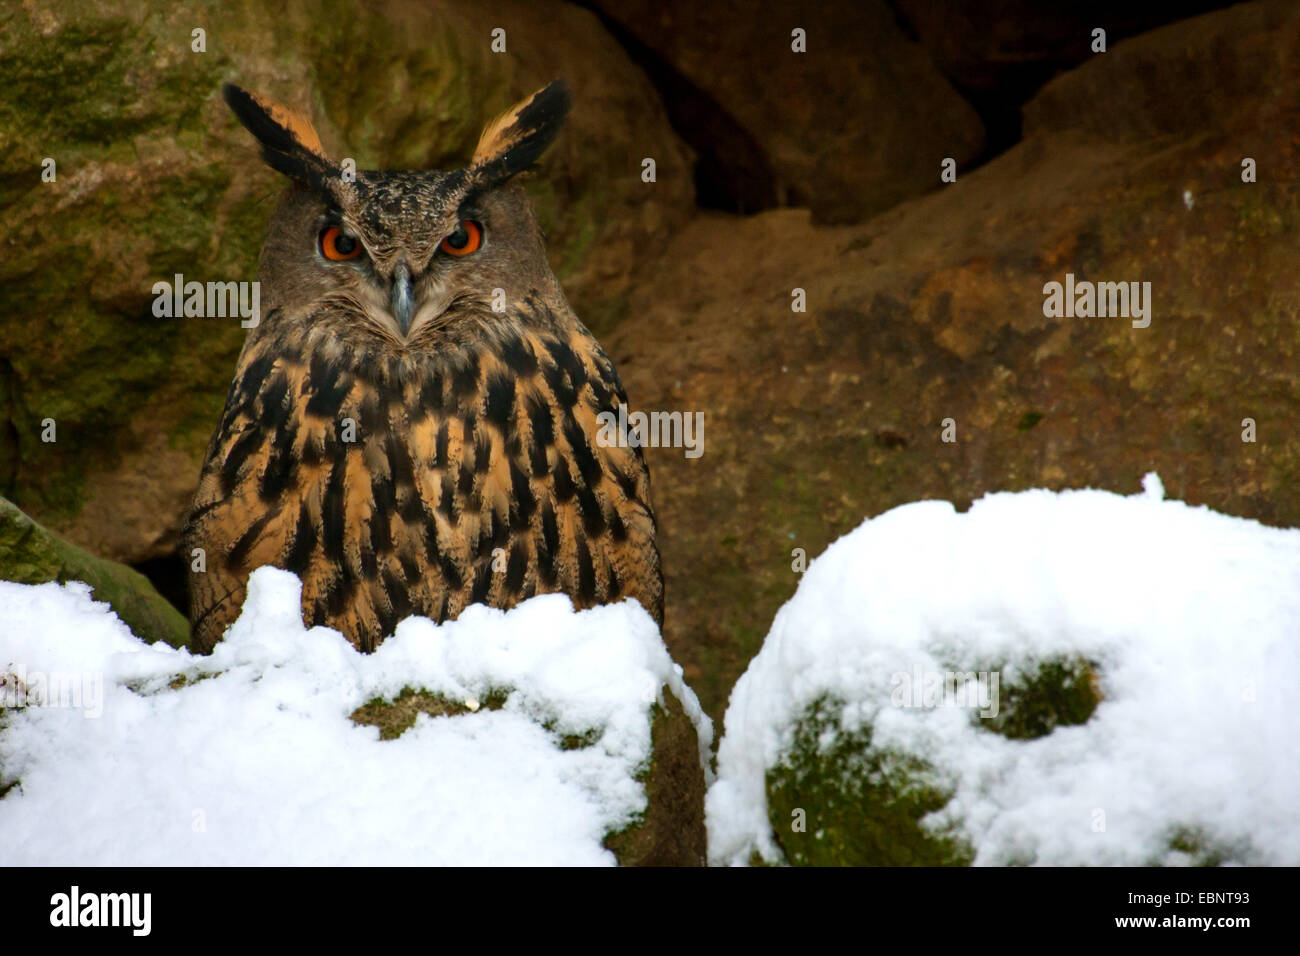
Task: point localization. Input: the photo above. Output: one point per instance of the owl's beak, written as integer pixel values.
(401, 301)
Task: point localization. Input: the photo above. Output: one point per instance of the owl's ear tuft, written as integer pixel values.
(517, 138)
(289, 141)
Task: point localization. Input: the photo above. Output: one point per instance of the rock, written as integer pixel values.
(934, 311)
(669, 833)
(869, 802)
(1059, 679)
(538, 736)
(998, 53)
(154, 177)
(866, 803)
(1180, 80)
(851, 127)
(30, 554)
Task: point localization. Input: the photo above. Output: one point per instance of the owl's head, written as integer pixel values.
(402, 258)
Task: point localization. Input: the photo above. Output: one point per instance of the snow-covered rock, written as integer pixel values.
(1049, 678)
(534, 745)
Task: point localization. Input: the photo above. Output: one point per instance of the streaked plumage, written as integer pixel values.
(475, 474)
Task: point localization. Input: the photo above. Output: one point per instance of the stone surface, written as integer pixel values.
(1008, 48)
(155, 177)
(865, 804)
(934, 311)
(671, 830)
(1231, 71)
(30, 554)
(857, 123)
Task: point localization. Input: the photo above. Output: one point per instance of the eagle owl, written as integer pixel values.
(412, 426)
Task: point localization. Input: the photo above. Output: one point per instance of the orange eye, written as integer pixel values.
(466, 239)
(338, 246)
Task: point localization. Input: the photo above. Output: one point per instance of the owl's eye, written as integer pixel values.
(337, 245)
(466, 239)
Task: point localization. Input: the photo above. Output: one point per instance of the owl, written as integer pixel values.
(413, 423)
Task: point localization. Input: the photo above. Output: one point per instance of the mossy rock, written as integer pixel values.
(671, 830)
(154, 177)
(1193, 846)
(837, 800)
(395, 717)
(31, 554)
(1059, 692)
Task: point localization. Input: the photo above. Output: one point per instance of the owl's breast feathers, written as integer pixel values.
(416, 483)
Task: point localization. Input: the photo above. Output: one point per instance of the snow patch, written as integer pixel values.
(252, 758)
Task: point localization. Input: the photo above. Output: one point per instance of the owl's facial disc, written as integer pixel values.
(401, 276)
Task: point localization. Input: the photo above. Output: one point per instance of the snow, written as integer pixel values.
(254, 760)
(1193, 617)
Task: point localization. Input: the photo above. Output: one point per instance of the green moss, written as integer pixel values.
(30, 554)
(147, 687)
(671, 829)
(1048, 694)
(569, 220)
(579, 741)
(436, 130)
(1028, 421)
(579, 239)
(1203, 850)
(77, 85)
(1259, 216)
(842, 474)
(670, 832)
(84, 352)
(836, 800)
(185, 680)
(396, 717)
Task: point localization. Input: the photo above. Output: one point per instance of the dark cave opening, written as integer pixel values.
(170, 576)
(731, 171)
